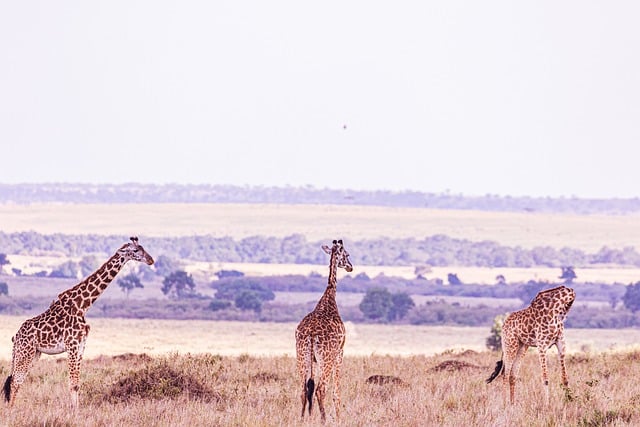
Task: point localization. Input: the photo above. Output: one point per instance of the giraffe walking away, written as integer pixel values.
(62, 327)
(540, 325)
(320, 338)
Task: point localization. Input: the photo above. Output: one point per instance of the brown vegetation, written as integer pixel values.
(187, 390)
(385, 379)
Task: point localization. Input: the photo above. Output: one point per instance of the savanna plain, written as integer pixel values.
(201, 373)
(143, 372)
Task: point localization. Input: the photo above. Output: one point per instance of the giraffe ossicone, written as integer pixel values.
(320, 338)
(539, 325)
(62, 327)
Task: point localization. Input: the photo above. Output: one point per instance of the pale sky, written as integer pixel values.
(474, 97)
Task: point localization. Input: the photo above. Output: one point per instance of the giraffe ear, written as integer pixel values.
(326, 248)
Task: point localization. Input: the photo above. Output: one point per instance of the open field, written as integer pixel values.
(322, 222)
(116, 336)
(447, 389)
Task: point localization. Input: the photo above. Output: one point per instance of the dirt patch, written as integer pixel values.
(453, 366)
(265, 377)
(129, 357)
(159, 381)
(385, 379)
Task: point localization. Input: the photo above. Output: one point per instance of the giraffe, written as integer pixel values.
(540, 325)
(62, 327)
(320, 338)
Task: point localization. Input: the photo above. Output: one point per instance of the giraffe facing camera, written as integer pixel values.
(540, 325)
(62, 327)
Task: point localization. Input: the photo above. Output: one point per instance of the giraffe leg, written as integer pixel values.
(21, 365)
(74, 376)
(542, 351)
(304, 359)
(75, 349)
(512, 368)
(321, 387)
(336, 384)
(561, 346)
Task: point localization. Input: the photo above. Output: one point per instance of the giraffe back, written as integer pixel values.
(542, 322)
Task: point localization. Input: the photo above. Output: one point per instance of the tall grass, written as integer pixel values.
(447, 389)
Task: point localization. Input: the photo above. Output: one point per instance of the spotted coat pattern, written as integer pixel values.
(320, 338)
(62, 327)
(540, 325)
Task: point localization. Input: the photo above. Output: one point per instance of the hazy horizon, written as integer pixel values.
(538, 100)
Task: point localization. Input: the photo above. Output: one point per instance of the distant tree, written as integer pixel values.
(218, 304)
(568, 274)
(4, 288)
(230, 290)
(529, 290)
(453, 279)
(228, 273)
(89, 264)
(500, 280)
(421, 271)
(129, 283)
(179, 285)
(494, 341)
(376, 304)
(401, 303)
(68, 269)
(248, 300)
(631, 298)
(362, 276)
(3, 261)
(164, 265)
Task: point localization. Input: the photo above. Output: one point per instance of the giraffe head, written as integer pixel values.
(342, 256)
(566, 296)
(134, 251)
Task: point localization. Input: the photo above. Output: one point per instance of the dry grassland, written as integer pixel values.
(447, 389)
(198, 373)
(321, 222)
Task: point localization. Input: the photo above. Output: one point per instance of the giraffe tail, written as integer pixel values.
(496, 372)
(310, 388)
(7, 388)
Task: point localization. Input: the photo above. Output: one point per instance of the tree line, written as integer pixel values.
(206, 193)
(436, 251)
(385, 300)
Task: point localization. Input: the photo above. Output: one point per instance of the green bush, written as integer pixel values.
(218, 304)
(494, 341)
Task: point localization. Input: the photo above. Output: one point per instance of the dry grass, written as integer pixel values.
(586, 232)
(209, 390)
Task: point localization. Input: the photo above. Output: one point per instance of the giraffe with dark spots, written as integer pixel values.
(540, 325)
(62, 327)
(320, 338)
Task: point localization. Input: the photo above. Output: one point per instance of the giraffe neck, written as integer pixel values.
(328, 300)
(84, 294)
